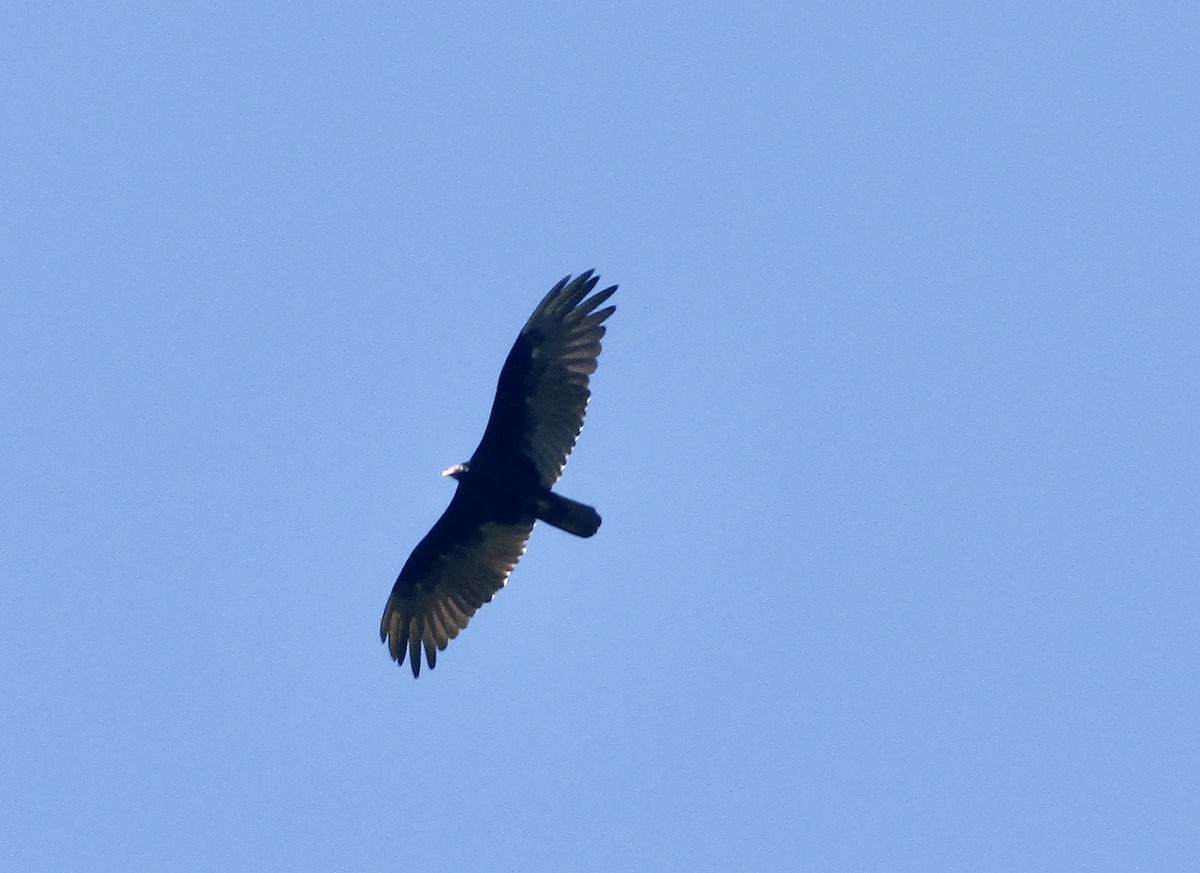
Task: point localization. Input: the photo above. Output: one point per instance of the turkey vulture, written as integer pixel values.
(505, 487)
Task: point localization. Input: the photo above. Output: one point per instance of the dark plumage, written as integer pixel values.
(504, 488)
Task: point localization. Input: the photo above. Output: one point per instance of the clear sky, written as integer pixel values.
(894, 435)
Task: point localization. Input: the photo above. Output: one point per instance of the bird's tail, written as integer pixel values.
(569, 515)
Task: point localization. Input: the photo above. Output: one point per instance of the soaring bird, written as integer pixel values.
(504, 488)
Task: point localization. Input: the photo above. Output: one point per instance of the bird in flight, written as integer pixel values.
(504, 488)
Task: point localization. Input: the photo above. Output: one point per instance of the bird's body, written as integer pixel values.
(505, 487)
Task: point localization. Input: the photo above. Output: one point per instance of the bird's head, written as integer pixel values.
(457, 471)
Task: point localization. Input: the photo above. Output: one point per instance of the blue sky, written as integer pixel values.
(894, 436)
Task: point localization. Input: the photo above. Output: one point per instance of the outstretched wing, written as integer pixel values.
(543, 391)
(462, 562)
